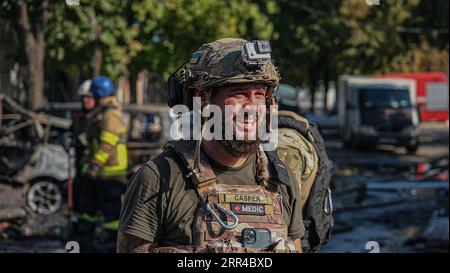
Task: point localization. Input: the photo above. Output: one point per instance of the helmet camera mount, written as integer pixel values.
(256, 54)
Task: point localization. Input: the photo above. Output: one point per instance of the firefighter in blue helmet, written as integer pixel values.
(106, 165)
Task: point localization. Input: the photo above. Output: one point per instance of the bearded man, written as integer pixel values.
(217, 195)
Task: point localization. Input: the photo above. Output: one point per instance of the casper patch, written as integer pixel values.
(247, 198)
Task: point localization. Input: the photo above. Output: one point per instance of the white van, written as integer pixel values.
(375, 111)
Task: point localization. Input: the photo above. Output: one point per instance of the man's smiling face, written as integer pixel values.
(248, 103)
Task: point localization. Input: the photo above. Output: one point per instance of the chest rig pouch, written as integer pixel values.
(235, 218)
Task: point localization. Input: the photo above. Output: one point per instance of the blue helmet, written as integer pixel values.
(101, 87)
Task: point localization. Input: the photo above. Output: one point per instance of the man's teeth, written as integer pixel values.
(249, 120)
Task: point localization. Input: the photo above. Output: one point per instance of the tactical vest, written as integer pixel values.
(235, 218)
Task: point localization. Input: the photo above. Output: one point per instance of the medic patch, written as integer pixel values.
(246, 198)
(248, 209)
(195, 58)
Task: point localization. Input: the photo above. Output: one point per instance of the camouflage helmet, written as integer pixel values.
(222, 63)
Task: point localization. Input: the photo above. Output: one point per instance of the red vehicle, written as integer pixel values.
(432, 94)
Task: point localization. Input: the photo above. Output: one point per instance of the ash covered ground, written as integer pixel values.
(380, 198)
(383, 202)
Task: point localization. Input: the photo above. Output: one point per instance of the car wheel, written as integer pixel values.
(44, 197)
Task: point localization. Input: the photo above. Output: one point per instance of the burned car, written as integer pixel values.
(37, 158)
(148, 128)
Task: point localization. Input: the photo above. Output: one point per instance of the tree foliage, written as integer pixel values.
(313, 41)
(318, 41)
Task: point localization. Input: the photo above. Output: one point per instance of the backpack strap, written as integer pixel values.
(290, 119)
(270, 169)
(279, 172)
(201, 175)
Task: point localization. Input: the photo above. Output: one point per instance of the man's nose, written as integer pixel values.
(250, 99)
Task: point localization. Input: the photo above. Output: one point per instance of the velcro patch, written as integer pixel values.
(195, 58)
(246, 198)
(248, 209)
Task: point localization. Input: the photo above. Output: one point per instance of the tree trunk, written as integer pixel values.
(36, 93)
(97, 60)
(141, 87)
(97, 57)
(38, 73)
(73, 82)
(312, 85)
(326, 84)
(34, 47)
(126, 87)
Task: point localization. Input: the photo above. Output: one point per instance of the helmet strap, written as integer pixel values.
(269, 102)
(199, 142)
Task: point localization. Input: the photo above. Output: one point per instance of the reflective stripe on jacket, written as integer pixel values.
(107, 134)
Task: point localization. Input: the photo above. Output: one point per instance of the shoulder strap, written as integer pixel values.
(201, 175)
(295, 116)
(270, 168)
(292, 120)
(280, 172)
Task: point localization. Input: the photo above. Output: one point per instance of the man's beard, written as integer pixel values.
(236, 147)
(239, 148)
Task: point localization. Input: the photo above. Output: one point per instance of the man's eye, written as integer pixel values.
(260, 95)
(238, 94)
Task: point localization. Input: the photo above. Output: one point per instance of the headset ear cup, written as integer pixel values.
(175, 87)
(174, 91)
(188, 98)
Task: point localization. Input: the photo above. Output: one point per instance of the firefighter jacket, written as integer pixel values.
(107, 131)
